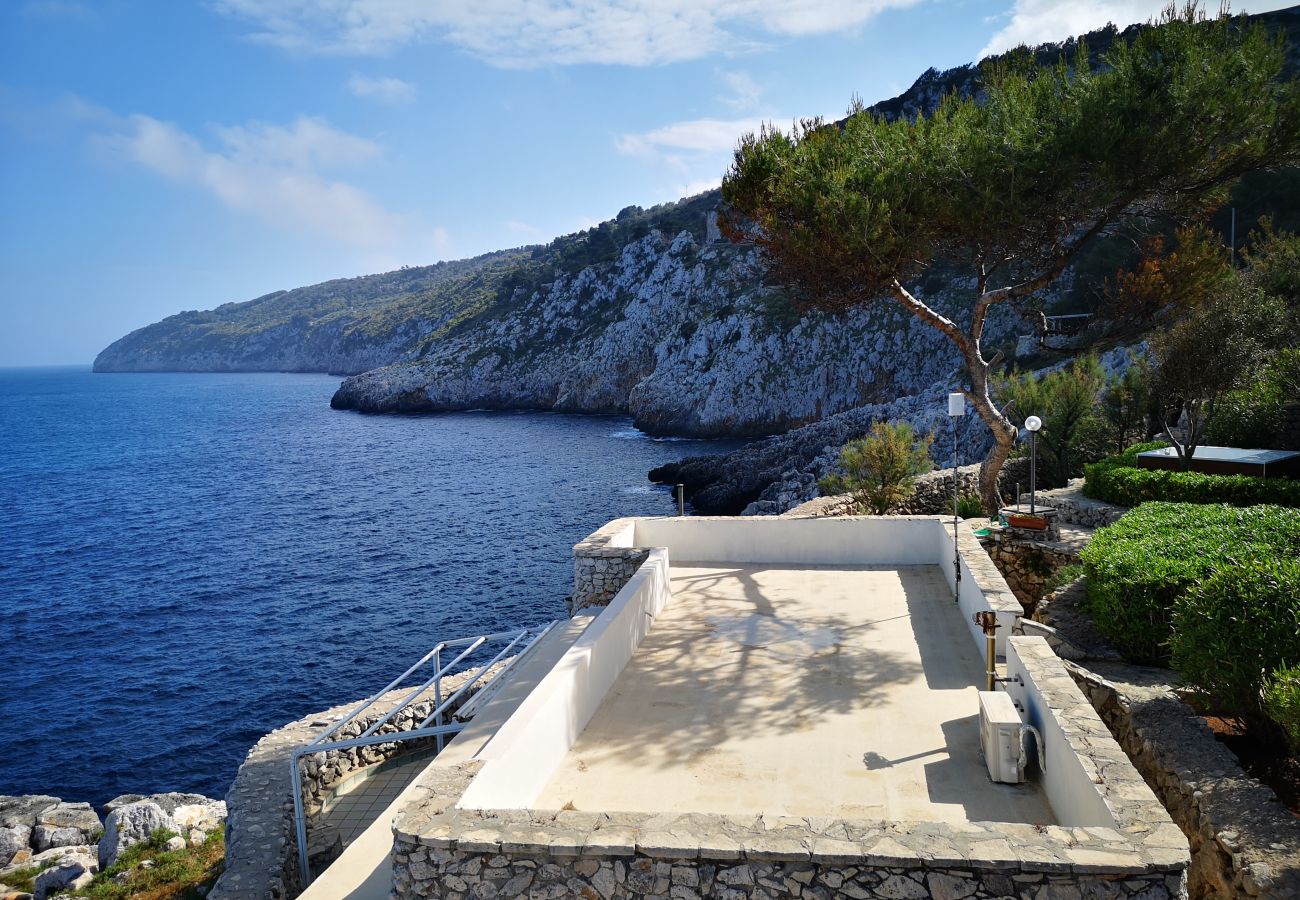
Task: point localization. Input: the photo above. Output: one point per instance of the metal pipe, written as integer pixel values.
(370, 702)
(299, 819)
(987, 620)
(956, 550)
(493, 684)
(681, 499)
(437, 698)
(436, 678)
(1033, 469)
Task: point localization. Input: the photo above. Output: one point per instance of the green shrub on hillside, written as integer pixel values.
(1118, 480)
(1282, 702)
(1139, 567)
(879, 469)
(1236, 628)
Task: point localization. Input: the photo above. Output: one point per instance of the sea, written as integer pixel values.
(188, 561)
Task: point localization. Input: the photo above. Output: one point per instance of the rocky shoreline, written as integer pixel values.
(69, 844)
(774, 475)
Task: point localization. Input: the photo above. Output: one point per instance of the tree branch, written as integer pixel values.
(932, 317)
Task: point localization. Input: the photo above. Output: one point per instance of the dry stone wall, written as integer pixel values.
(1074, 508)
(601, 567)
(1026, 566)
(261, 845)
(1244, 843)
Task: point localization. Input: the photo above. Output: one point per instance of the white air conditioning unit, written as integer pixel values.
(1000, 737)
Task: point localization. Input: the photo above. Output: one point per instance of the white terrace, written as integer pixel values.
(794, 670)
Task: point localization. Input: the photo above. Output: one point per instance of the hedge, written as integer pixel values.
(1140, 566)
(1237, 628)
(1282, 702)
(1118, 480)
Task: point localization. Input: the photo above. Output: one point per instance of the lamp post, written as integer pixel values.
(956, 408)
(1032, 425)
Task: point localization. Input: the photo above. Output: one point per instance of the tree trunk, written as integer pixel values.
(1004, 433)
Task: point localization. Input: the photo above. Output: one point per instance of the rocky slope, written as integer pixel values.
(679, 333)
(771, 476)
(343, 326)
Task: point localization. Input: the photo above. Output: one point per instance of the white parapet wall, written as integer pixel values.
(525, 751)
(1075, 787)
(842, 541)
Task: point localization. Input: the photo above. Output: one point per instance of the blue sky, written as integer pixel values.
(161, 155)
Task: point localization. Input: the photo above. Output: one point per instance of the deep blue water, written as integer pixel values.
(189, 561)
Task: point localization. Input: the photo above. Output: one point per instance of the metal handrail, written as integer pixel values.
(406, 701)
(322, 743)
(493, 686)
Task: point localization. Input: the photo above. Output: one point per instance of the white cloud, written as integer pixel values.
(385, 90)
(694, 136)
(744, 92)
(523, 228)
(1034, 22)
(690, 156)
(511, 34)
(269, 171)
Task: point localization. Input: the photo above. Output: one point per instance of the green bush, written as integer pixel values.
(1282, 702)
(970, 507)
(1253, 416)
(1236, 628)
(1118, 480)
(1139, 567)
(879, 470)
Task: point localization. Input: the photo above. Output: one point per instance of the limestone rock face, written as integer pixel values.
(686, 338)
(13, 839)
(207, 815)
(131, 824)
(169, 801)
(73, 872)
(65, 825)
(23, 810)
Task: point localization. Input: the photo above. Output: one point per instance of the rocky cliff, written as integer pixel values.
(343, 326)
(681, 334)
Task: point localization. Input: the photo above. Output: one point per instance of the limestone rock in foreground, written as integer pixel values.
(131, 824)
(65, 825)
(73, 872)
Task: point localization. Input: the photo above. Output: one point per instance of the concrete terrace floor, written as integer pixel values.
(802, 691)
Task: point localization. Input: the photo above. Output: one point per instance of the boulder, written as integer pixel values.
(73, 872)
(44, 838)
(208, 815)
(51, 857)
(169, 801)
(24, 810)
(131, 824)
(65, 825)
(175, 843)
(13, 839)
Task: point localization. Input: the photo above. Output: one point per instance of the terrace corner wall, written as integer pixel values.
(529, 745)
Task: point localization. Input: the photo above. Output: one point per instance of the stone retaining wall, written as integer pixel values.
(1026, 566)
(261, 845)
(603, 562)
(932, 493)
(1244, 843)
(1074, 508)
